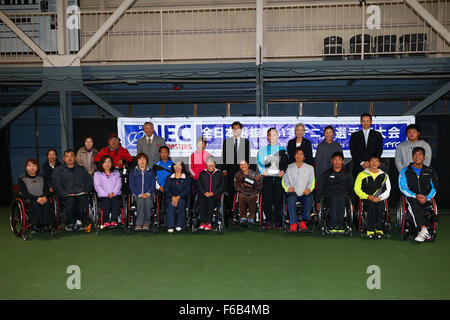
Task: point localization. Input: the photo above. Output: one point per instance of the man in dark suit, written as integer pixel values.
(365, 143)
(234, 149)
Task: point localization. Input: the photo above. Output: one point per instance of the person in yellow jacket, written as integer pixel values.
(373, 187)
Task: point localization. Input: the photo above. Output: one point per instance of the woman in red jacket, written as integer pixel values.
(115, 151)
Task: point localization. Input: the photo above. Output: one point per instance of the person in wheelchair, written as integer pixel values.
(142, 186)
(335, 185)
(418, 183)
(177, 189)
(299, 182)
(34, 190)
(248, 184)
(373, 187)
(163, 169)
(108, 185)
(72, 183)
(211, 187)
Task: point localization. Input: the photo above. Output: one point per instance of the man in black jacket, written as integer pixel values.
(335, 185)
(210, 186)
(234, 149)
(72, 183)
(365, 143)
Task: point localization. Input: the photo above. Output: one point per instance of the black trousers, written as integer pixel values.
(374, 214)
(110, 208)
(272, 196)
(40, 214)
(76, 208)
(417, 212)
(207, 206)
(336, 205)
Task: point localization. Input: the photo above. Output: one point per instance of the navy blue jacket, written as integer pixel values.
(142, 181)
(177, 187)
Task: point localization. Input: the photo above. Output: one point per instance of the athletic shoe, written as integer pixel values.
(379, 233)
(146, 227)
(69, 228)
(170, 231)
(202, 226)
(208, 227)
(106, 225)
(266, 225)
(178, 229)
(423, 235)
(277, 226)
(242, 220)
(303, 226)
(251, 221)
(138, 227)
(293, 227)
(113, 224)
(370, 234)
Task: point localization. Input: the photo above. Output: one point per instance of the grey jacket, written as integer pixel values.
(403, 153)
(324, 151)
(300, 178)
(150, 149)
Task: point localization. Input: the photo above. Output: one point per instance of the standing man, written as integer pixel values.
(403, 153)
(365, 143)
(150, 144)
(234, 149)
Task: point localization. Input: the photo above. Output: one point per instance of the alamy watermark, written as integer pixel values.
(74, 280)
(374, 280)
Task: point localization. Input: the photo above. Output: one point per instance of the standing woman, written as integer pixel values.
(108, 184)
(325, 150)
(300, 141)
(48, 167)
(177, 188)
(86, 154)
(272, 163)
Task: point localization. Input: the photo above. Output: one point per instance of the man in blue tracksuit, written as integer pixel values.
(418, 183)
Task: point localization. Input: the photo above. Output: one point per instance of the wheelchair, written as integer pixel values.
(20, 218)
(98, 216)
(90, 216)
(322, 218)
(217, 223)
(362, 220)
(405, 222)
(236, 214)
(312, 224)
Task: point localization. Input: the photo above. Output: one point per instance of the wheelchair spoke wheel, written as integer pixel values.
(18, 219)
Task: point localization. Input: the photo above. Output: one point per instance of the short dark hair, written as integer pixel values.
(328, 127)
(102, 160)
(164, 147)
(69, 151)
(236, 123)
(365, 114)
(33, 161)
(418, 149)
(142, 155)
(299, 149)
(270, 129)
(48, 151)
(375, 156)
(148, 122)
(413, 126)
(337, 154)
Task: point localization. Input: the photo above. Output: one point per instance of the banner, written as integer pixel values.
(181, 133)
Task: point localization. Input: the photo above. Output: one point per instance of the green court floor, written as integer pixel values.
(241, 264)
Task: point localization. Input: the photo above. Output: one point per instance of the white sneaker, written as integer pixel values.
(178, 229)
(423, 235)
(170, 230)
(78, 222)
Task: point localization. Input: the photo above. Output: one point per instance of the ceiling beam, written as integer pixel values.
(430, 99)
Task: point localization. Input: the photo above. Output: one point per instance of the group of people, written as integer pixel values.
(279, 171)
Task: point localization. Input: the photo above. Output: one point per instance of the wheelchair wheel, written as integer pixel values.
(18, 219)
(93, 215)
